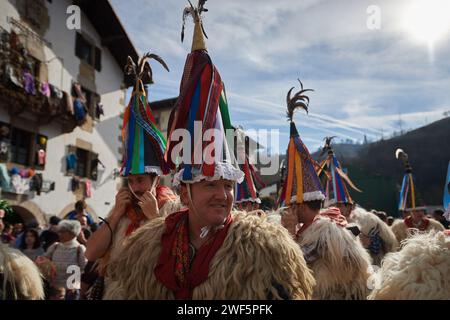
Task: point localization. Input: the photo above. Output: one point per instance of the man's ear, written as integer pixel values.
(184, 197)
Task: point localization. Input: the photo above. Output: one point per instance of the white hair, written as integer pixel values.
(72, 226)
(21, 277)
(420, 270)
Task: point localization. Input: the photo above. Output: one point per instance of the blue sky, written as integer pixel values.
(364, 80)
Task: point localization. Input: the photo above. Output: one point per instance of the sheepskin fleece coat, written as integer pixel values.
(402, 232)
(255, 255)
(169, 207)
(420, 270)
(339, 262)
(368, 221)
(21, 278)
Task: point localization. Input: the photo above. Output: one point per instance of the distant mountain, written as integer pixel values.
(379, 173)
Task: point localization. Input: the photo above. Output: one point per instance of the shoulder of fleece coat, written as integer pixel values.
(170, 206)
(262, 253)
(131, 272)
(367, 220)
(400, 230)
(340, 264)
(419, 271)
(435, 225)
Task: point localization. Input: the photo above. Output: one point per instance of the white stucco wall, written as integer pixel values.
(104, 137)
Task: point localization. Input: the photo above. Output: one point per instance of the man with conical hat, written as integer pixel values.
(247, 197)
(205, 251)
(375, 235)
(336, 181)
(143, 199)
(415, 220)
(339, 262)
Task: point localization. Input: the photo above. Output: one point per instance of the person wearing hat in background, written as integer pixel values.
(338, 260)
(247, 197)
(206, 251)
(376, 236)
(143, 198)
(416, 221)
(65, 254)
(337, 183)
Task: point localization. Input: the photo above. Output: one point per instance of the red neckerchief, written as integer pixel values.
(333, 213)
(423, 226)
(163, 194)
(173, 269)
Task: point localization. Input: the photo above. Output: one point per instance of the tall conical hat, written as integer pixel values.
(336, 181)
(143, 143)
(301, 183)
(408, 193)
(202, 109)
(247, 190)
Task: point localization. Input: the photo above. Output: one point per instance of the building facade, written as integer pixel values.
(62, 93)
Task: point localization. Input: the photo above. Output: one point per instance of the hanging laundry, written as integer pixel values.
(71, 161)
(23, 173)
(75, 184)
(10, 76)
(36, 183)
(79, 110)
(88, 188)
(4, 148)
(5, 179)
(77, 92)
(20, 185)
(55, 92)
(41, 157)
(31, 172)
(69, 102)
(99, 110)
(45, 89)
(28, 83)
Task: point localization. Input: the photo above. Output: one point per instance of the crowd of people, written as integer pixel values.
(208, 238)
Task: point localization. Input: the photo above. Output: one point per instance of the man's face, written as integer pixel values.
(65, 235)
(140, 183)
(248, 206)
(417, 215)
(212, 200)
(83, 220)
(345, 208)
(298, 210)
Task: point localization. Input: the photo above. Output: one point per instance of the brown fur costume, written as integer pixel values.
(254, 256)
(368, 221)
(20, 277)
(420, 270)
(402, 232)
(339, 262)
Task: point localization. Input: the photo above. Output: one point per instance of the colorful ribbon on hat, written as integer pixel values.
(407, 192)
(202, 98)
(138, 127)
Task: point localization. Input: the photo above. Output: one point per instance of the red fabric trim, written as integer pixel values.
(173, 269)
(423, 227)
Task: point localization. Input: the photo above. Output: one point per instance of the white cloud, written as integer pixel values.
(363, 79)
